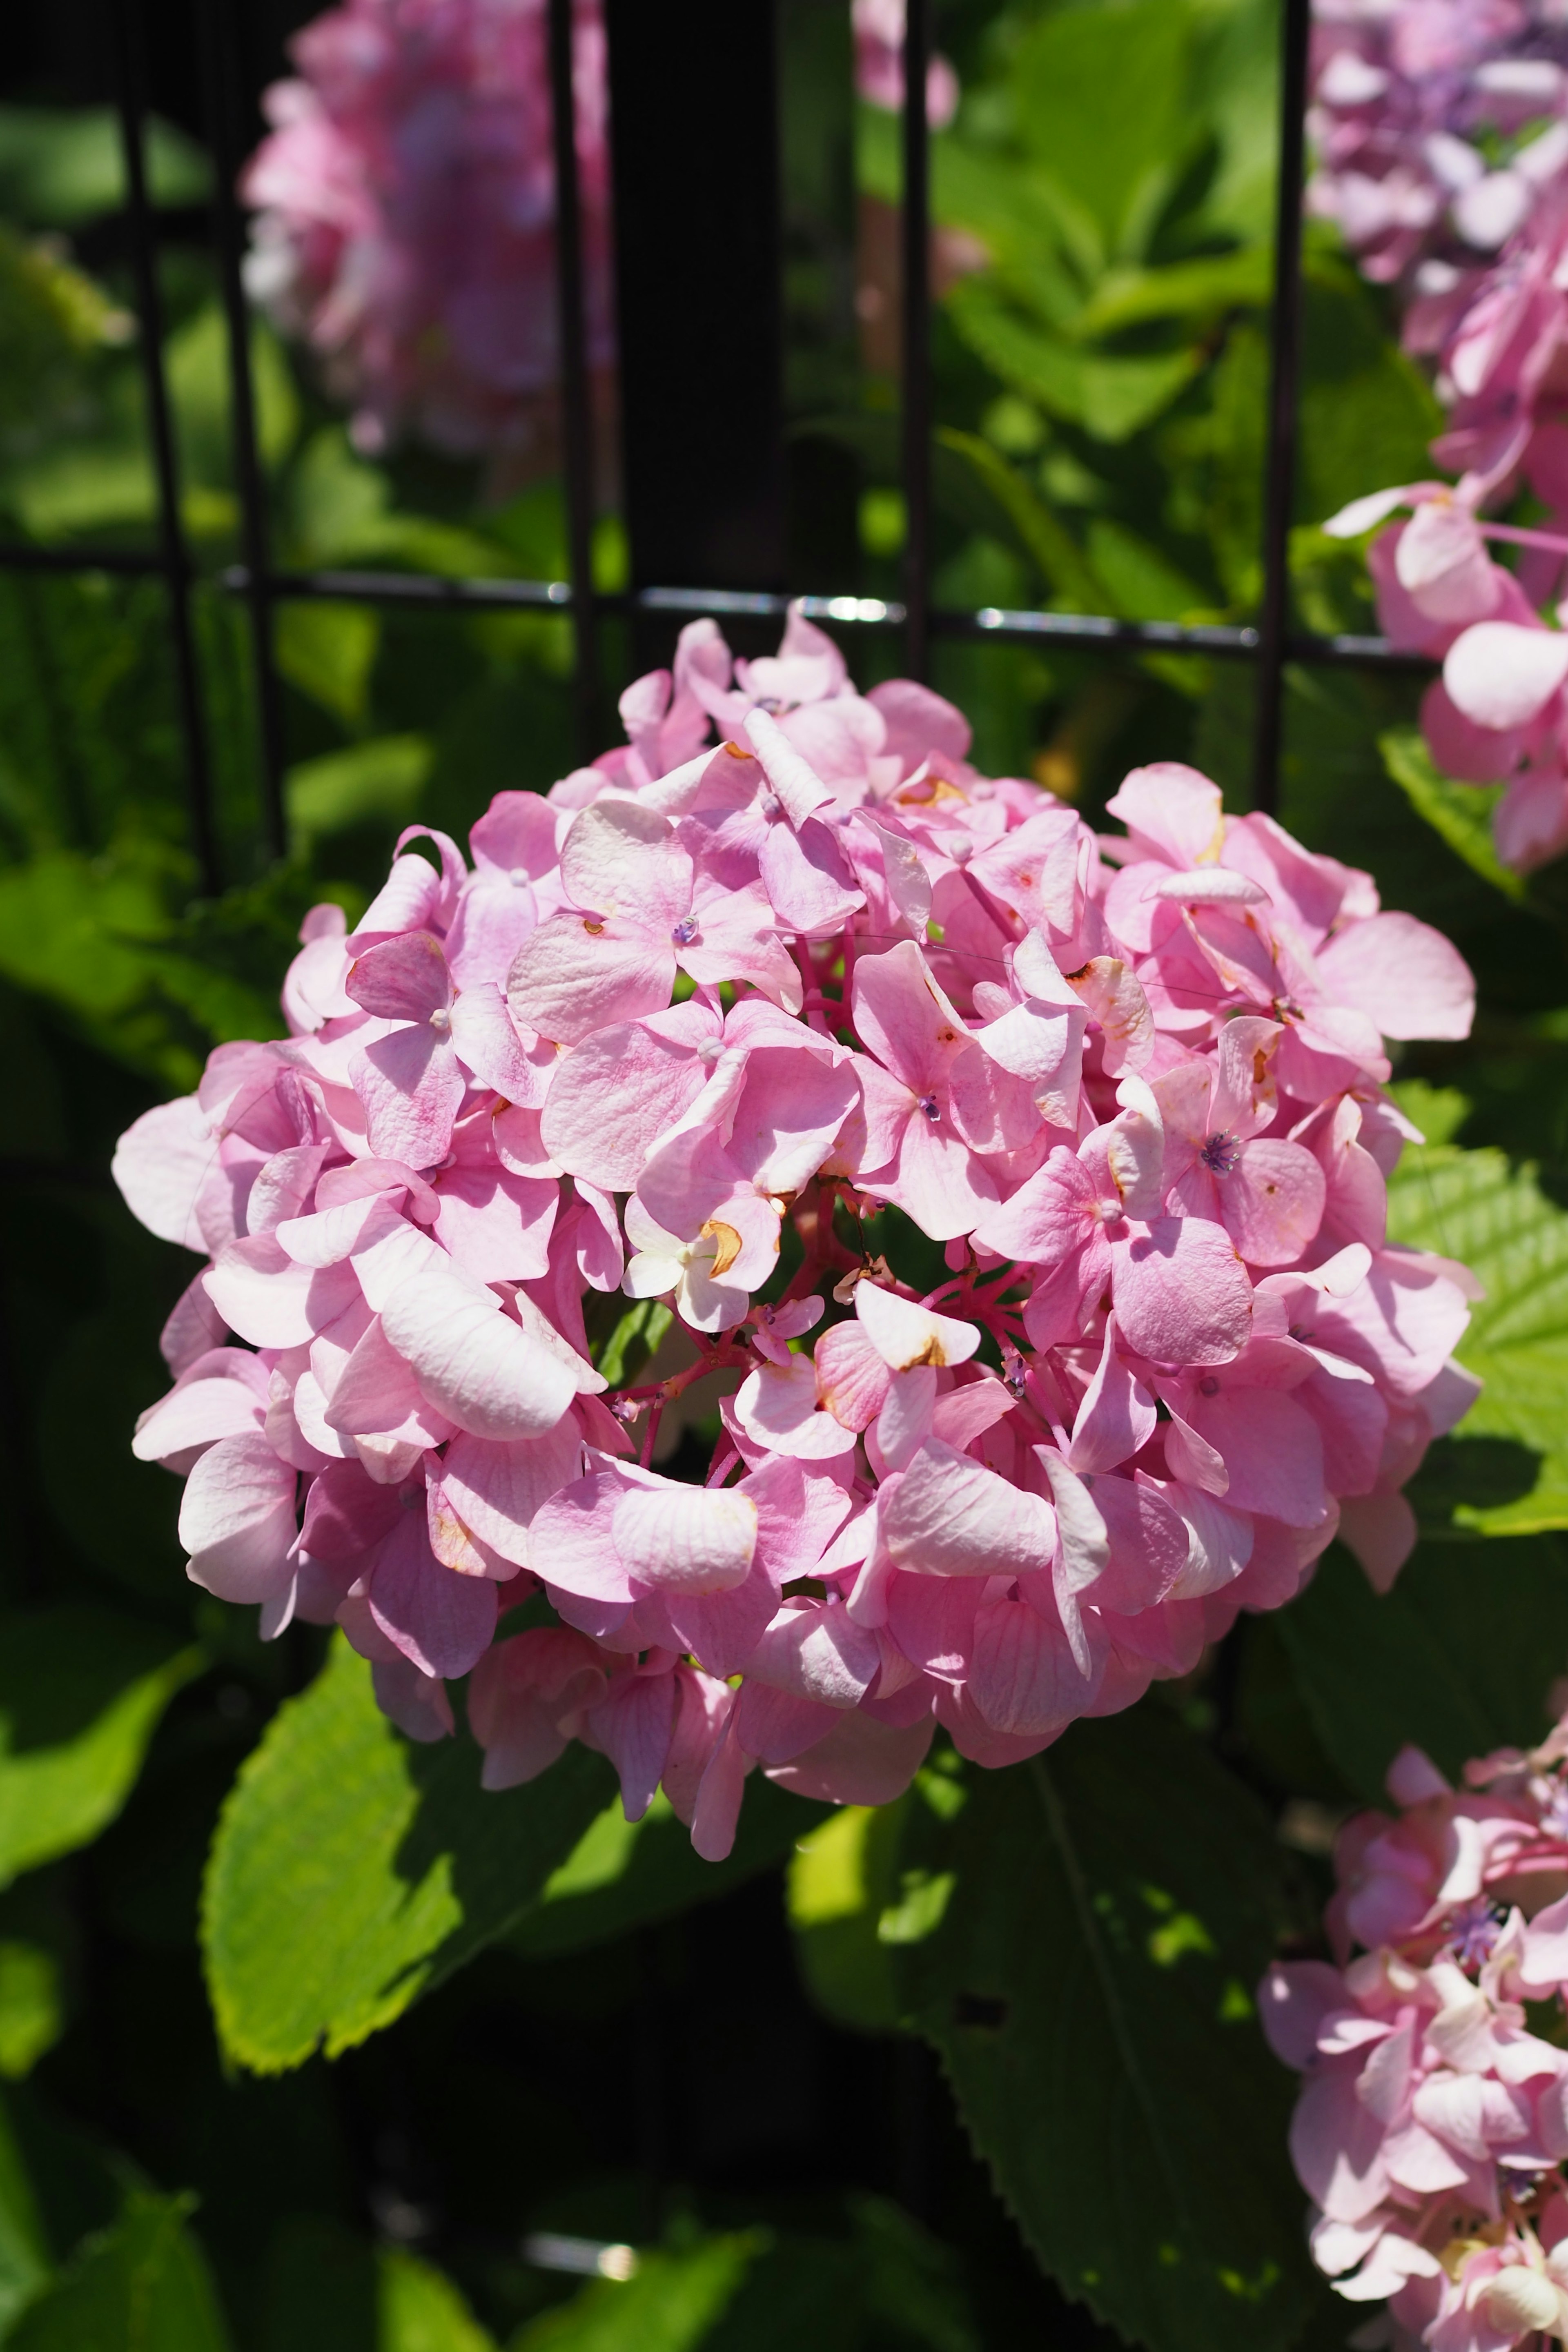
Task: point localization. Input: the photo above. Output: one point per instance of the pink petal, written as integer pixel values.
(411, 1087)
(496, 1227)
(860, 1763)
(499, 1489)
(691, 1540)
(160, 1164)
(949, 1517)
(236, 1519)
(404, 979)
(1499, 675)
(472, 1363)
(441, 1622)
(1403, 974)
(905, 1333)
(798, 786)
(633, 1725)
(1117, 1417)
(578, 972)
(1272, 1450)
(650, 1072)
(1181, 1293)
(1272, 1201)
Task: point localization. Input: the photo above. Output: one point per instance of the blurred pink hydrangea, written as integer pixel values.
(1432, 2129)
(879, 64)
(1437, 126)
(405, 215)
(1441, 132)
(1019, 1194)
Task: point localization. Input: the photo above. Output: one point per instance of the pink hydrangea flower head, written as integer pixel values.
(745, 1022)
(1432, 2128)
(405, 208)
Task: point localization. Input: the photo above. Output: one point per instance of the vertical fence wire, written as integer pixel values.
(914, 354)
(1280, 474)
(576, 406)
(220, 73)
(130, 104)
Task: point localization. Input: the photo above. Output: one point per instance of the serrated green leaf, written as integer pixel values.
(1505, 1470)
(1088, 1989)
(1379, 1669)
(75, 1722)
(141, 2285)
(1460, 813)
(352, 1871)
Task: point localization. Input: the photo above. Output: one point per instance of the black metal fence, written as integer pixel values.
(701, 415)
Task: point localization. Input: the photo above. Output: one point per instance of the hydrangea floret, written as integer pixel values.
(1432, 2128)
(1018, 1191)
(405, 215)
(1441, 132)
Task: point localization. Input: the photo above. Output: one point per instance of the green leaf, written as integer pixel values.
(73, 1728)
(328, 651)
(32, 2007)
(668, 2303)
(420, 2310)
(1110, 396)
(198, 366)
(1221, 281)
(840, 1881)
(1460, 813)
(1505, 1470)
(62, 165)
(379, 780)
(352, 1871)
(1089, 1987)
(1101, 101)
(24, 2259)
(140, 2286)
(1067, 571)
(633, 1339)
(1379, 1669)
(623, 1874)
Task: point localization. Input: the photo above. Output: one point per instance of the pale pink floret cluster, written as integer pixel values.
(1437, 126)
(404, 214)
(1442, 134)
(1432, 2128)
(1498, 712)
(681, 1029)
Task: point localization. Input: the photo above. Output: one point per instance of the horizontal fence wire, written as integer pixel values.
(1267, 645)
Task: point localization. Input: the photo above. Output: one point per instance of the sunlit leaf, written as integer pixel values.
(1505, 1470)
(1087, 1983)
(351, 1871)
(79, 1700)
(1460, 813)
